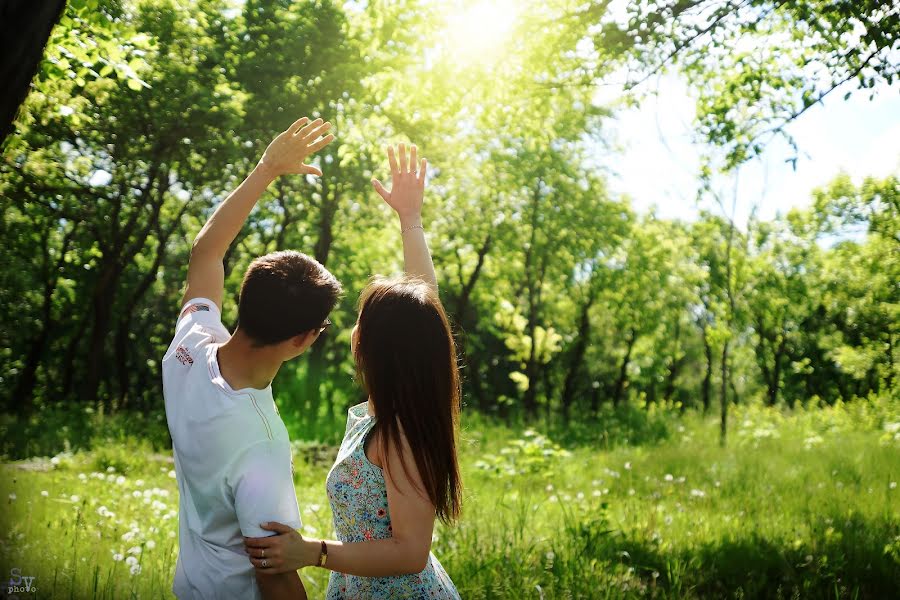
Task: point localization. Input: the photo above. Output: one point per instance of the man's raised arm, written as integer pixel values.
(285, 155)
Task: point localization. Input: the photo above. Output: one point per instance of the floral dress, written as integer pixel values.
(358, 498)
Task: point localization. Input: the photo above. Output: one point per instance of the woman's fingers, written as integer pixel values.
(413, 161)
(262, 542)
(423, 166)
(271, 567)
(404, 165)
(271, 553)
(380, 189)
(395, 170)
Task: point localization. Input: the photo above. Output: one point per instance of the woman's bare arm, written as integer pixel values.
(406, 197)
(406, 551)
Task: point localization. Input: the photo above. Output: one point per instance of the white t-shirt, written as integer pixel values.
(232, 461)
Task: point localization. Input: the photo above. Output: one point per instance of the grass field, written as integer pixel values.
(637, 504)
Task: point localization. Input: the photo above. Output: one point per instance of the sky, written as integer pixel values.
(657, 163)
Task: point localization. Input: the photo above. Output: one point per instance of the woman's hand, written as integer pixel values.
(407, 185)
(287, 551)
(288, 152)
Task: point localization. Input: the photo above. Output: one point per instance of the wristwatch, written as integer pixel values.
(323, 555)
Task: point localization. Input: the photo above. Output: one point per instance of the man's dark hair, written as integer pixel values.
(285, 294)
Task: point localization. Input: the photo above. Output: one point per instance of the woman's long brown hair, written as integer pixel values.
(406, 360)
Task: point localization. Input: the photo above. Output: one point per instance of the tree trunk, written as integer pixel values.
(465, 295)
(707, 377)
(674, 366)
(24, 390)
(584, 329)
(623, 369)
(25, 27)
(723, 397)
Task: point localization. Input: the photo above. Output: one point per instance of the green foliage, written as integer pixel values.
(565, 300)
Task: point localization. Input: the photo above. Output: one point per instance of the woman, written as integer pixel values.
(397, 470)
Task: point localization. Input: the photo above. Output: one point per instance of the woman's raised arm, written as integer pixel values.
(405, 197)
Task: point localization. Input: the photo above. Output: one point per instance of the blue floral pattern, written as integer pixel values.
(358, 498)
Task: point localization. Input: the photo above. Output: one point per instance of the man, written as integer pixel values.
(232, 453)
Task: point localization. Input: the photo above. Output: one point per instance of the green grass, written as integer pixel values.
(797, 506)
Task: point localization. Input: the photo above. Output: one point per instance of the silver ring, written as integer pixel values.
(265, 563)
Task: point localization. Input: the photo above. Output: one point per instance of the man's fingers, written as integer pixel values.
(404, 166)
(380, 189)
(309, 127)
(320, 130)
(413, 161)
(395, 170)
(316, 146)
(298, 124)
(310, 170)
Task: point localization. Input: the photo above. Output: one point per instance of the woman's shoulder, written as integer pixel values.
(356, 415)
(359, 411)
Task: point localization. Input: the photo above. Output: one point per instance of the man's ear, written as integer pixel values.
(301, 340)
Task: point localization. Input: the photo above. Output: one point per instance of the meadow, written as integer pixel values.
(641, 503)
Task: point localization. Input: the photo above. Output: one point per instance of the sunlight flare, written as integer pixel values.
(478, 32)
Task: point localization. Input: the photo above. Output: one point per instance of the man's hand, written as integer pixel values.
(288, 152)
(281, 553)
(407, 186)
